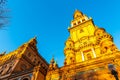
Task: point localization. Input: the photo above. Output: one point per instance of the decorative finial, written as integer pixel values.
(35, 37)
(55, 64)
(77, 13)
(52, 60)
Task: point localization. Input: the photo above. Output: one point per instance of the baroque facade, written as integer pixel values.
(25, 63)
(90, 53)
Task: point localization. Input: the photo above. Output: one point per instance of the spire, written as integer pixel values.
(78, 18)
(52, 61)
(55, 65)
(51, 64)
(77, 13)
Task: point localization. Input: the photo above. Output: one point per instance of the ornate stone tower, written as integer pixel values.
(86, 41)
(90, 53)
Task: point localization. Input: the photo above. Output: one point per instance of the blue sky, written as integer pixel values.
(49, 20)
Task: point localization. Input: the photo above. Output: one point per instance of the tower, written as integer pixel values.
(86, 40)
(90, 53)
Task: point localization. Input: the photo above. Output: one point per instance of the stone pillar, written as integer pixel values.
(83, 59)
(93, 51)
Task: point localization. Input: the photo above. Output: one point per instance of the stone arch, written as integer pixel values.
(99, 31)
(26, 78)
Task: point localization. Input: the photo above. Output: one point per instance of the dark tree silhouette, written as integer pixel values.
(3, 13)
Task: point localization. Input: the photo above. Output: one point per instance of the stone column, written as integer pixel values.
(93, 51)
(83, 59)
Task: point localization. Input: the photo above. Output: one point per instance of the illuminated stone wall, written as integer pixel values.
(25, 63)
(88, 52)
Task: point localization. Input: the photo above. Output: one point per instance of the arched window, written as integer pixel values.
(26, 77)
